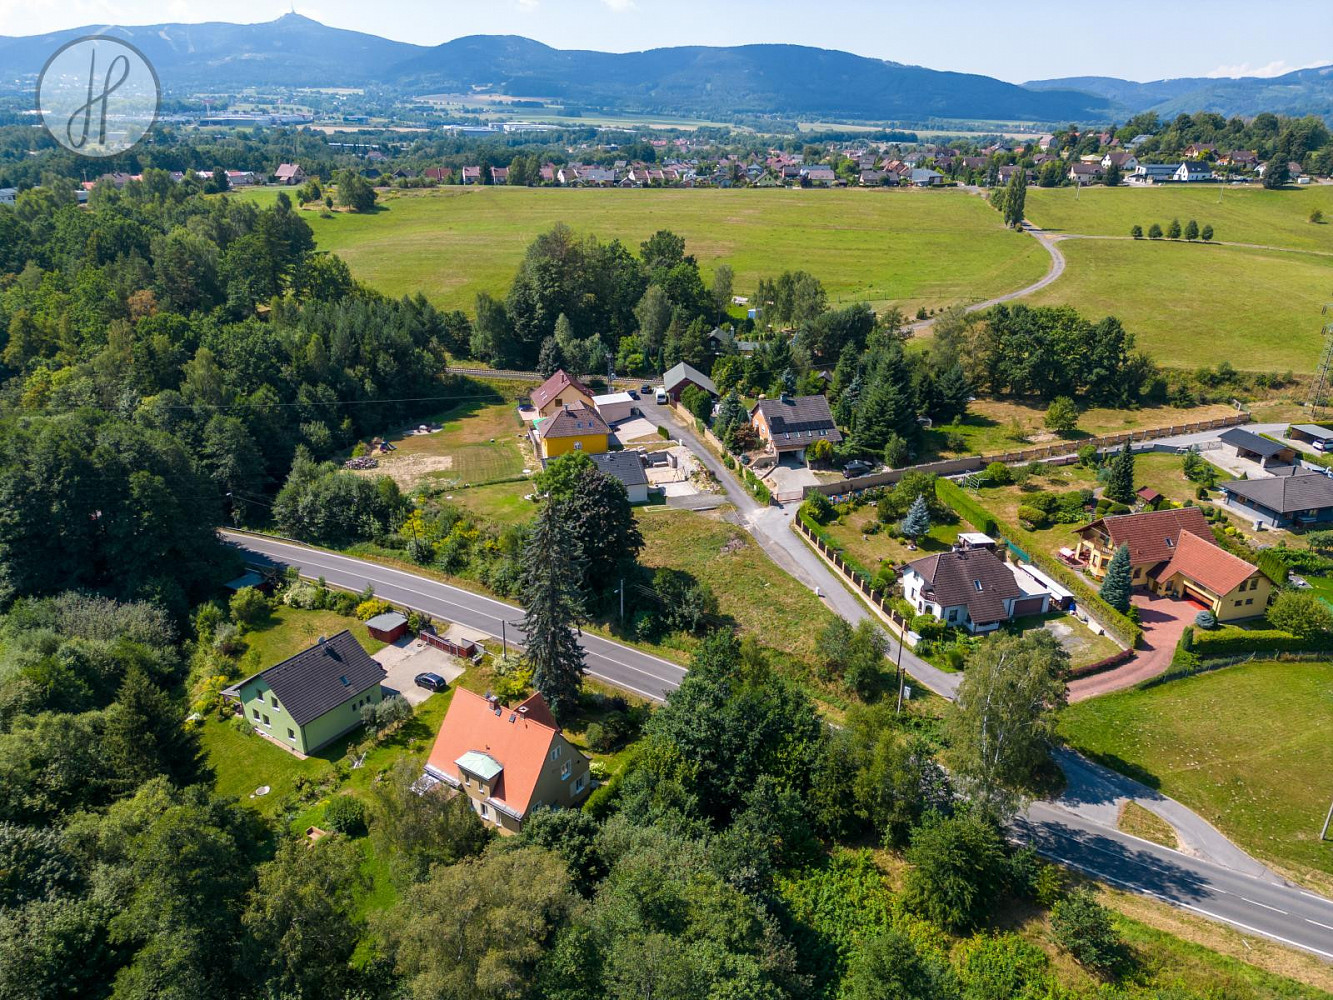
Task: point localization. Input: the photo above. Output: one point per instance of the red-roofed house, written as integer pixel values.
(1151, 537)
(507, 761)
(559, 391)
(1208, 574)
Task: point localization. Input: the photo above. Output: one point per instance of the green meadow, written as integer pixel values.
(908, 248)
(1194, 305)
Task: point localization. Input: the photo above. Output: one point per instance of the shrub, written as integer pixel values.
(346, 814)
(367, 610)
(999, 474)
(1301, 613)
(959, 868)
(1173, 230)
(1317, 216)
(1154, 232)
(249, 607)
(597, 738)
(927, 626)
(1083, 927)
(1136, 231)
(820, 508)
(1032, 516)
(1001, 968)
(1206, 233)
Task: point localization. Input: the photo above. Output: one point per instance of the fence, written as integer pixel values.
(854, 576)
(463, 650)
(1060, 450)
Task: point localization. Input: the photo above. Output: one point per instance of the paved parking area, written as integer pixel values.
(787, 479)
(636, 429)
(1163, 619)
(410, 656)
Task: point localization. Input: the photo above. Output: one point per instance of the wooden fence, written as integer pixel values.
(878, 598)
(1058, 451)
(463, 650)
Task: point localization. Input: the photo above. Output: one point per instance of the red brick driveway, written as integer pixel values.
(1163, 619)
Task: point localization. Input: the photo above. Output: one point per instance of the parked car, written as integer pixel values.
(632, 394)
(646, 389)
(856, 467)
(661, 396)
(431, 681)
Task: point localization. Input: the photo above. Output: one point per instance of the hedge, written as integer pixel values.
(817, 531)
(981, 519)
(1231, 642)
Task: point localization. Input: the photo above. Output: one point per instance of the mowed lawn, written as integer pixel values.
(1248, 747)
(1244, 215)
(751, 589)
(911, 248)
(1196, 305)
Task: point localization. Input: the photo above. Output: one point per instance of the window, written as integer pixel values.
(1249, 600)
(578, 785)
(555, 752)
(485, 811)
(1170, 544)
(1238, 603)
(273, 699)
(291, 735)
(256, 712)
(578, 445)
(564, 771)
(977, 584)
(267, 723)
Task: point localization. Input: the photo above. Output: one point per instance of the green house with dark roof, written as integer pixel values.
(308, 700)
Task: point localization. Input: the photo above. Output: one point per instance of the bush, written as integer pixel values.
(1206, 619)
(346, 814)
(1136, 231)
(597, 738)
(1154, 232)
(928, 627)
(367, 610)
(1032, 516)
(959, 868)
(1001, 968)
(820, 508)
(249, 607)
(1301, 613)
(999, 474)
(1083, 927)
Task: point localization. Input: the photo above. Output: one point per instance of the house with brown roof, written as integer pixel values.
(441, 174)
(507, 761)
(1151, 537)
(289, 173)
(1210, 576)
(973, 588)
(499, 175)
(792, 423)
(559, 391)
(472, 175)
(575, 428)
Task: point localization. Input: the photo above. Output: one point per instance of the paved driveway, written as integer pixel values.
(1163, 619)
(408, 657)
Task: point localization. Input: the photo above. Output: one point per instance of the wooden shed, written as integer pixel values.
(388, 627)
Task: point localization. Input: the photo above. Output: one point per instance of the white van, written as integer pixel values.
(661, 396)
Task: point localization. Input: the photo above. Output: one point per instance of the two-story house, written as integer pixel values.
(308, 700)
(1151, 537)
(574, 428)
(559, 391)
(507, 761)
(971, 588)
(793, 423)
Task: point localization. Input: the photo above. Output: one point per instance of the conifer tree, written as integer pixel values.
(917, 521)
(1120, 487)
(551, 596)
(1119, 579)
(1015, 198)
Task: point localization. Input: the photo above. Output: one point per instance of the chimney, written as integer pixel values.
(323, 639)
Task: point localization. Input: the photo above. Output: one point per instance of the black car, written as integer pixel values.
(431, 682)
(855, 468)
(646, 388)
(632, 394)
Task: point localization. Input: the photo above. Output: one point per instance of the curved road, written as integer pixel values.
(1077, 831)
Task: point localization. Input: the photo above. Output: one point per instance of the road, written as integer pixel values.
(616, 664)
(1078, 830)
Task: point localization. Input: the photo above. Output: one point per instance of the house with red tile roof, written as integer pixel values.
(1151, 537)
(559, 391)
(507, 761)
(1207, 574)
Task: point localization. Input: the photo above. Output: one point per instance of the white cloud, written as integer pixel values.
(1277, 67)
(619, 5)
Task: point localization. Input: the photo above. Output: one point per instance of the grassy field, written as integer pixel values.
(751, 589)
(1194, 305)
(1249, 747)
(1244, 215)
(477, 442)
(911, 248)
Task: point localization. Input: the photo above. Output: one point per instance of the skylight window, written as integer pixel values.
(346, 682)
(977, 584)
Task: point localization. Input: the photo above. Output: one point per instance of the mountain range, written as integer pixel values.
(728, 81)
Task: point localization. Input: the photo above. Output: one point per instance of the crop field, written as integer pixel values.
(1244, 215)
(1193, 305)
(909, 248)
(1248, 747)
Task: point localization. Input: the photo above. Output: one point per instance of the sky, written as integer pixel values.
(1053, 38)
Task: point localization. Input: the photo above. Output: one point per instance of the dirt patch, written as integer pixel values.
(410, 470)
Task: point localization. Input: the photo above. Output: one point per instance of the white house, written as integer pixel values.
(8, 196)
(1194, 171)
(972, 588)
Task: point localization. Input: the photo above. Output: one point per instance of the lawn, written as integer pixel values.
(1194, 305)
(994, 426)
(1249, 747)
(751, 589)
(500, 504)
(477, 442)
(291, 630)
(1244, 215)
(871, 549)
(912, 248)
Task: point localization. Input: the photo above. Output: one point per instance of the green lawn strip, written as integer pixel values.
(1249, 747)
(1243, 215)
(912, 248)
(1139, 822)
(870, 550)
(1191, 306)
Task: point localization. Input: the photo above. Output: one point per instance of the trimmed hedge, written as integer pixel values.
(1112, 620)
(1234, 642)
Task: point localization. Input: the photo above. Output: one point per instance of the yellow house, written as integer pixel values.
(574, 428)
(1151, 537)
(1207, 574)
(559, 391)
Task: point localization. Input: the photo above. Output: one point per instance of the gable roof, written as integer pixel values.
(322, 677)
(1205, 562)
(1151, 536)
(1287, 492)
(682, 373)
(496, 743)
(622, 465)
(555, 385)
(797, 420)
(1249, 441)
(286, 171)
(572, 421)
(977, 578)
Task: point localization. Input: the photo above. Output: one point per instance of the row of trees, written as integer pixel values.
(1191, 231)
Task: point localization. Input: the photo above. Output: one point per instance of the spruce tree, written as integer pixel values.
(1120, 487)
(1191, 230)
(550, 591)
(1119, 579)
(1173, 230)
(917, 521)
(549, 359)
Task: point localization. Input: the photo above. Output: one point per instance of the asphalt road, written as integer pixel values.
(622, 666)
(1249, 903)
(1070, 833)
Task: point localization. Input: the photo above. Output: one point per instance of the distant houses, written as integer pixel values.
(289, 173)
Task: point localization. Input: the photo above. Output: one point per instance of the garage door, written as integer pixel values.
(1027, 606)
(1194, 597)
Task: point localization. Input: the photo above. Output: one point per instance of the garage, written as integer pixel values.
(1029, 606)
(1194, 597)
(614, 407)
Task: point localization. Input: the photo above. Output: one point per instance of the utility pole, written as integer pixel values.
(622, 600)
(504, 641)
(901, 637)
(1324, 831)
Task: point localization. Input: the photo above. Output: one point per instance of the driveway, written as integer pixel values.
(409, 656)
(790, 478)
(1163, 619)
